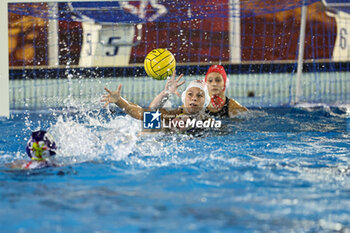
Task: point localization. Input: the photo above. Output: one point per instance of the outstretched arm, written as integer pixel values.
(170, 87)
(132, 109)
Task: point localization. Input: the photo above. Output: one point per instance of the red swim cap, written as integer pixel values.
(218, 69)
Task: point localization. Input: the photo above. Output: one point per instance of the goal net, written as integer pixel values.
(73, 49)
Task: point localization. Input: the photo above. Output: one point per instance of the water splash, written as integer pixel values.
(82, 138)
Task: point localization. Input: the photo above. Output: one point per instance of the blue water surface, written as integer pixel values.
(273, 170)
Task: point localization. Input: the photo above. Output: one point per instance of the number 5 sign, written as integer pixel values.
(106, 44)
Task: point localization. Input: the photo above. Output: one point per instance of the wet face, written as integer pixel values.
(215, 83)
(195, 99)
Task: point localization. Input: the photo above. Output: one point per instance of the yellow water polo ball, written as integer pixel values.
(160, 64)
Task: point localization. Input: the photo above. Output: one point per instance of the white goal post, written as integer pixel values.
(4, 67)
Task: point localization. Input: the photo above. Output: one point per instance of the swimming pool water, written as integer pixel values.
(274, 170)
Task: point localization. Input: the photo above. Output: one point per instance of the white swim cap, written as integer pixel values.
(201, 85)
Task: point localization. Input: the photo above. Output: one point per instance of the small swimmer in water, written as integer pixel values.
(195, 99)
(40, 148)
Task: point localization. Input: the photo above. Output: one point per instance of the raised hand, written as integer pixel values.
(172, 84)
(112, 96)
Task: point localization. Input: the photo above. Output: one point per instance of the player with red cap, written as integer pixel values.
(220, 105)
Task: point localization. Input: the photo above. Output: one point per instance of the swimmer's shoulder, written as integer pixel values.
(235, 108)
